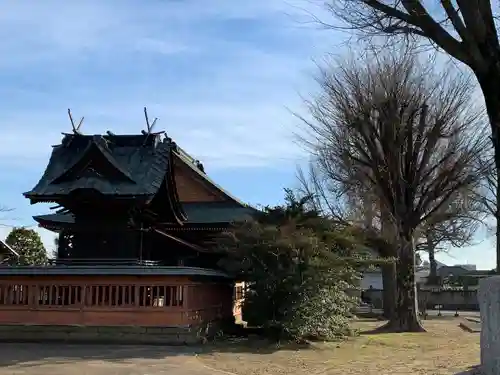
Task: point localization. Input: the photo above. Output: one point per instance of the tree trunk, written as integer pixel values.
(497, 269)
(61, 245)
(405, 318)
(432, 279)
(489, 83)
(389, 292)
(388, 270)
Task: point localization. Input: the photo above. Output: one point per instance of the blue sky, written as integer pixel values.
(221, 77)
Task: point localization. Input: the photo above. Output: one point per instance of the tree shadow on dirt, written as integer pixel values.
(254, 345)
(473, 370)
(35, 354)
(383, 329)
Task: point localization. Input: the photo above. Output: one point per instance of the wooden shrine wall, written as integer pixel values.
(191, 188)
(113, 301)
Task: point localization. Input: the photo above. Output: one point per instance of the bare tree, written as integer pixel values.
(464, 29)
(388, 125)
(454, 225)
(487, 195)
(356, 207)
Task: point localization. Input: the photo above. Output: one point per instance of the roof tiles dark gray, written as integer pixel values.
(109, 271)
(142, 160)
(197, 213)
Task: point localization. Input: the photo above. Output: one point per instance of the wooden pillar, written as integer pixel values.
(62, 245)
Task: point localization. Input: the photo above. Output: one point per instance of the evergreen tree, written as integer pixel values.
(27, 243)
(299, 269)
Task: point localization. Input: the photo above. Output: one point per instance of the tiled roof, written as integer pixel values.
(109, 270)
(217, 212)
(138, 162)
(197, 213)
(198, 168)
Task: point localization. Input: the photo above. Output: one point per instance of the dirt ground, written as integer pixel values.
(61, 359)
(444, 349)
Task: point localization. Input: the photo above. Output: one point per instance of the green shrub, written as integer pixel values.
(298, 268)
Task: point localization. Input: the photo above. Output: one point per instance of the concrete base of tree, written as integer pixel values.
(489, 304)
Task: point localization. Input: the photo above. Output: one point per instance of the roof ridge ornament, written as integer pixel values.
(199, 165)
(76, 128)
(148, 125)
(169, 141)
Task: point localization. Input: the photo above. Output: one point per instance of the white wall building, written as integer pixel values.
(373, 279)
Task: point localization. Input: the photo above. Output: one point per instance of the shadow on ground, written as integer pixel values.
(32, 354)
(474, 370)
(254, 345)
(475, 326)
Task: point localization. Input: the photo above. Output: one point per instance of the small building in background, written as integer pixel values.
(373, 279)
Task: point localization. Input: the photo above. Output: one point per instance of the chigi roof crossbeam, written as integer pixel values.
(76, 128)
(149, 127)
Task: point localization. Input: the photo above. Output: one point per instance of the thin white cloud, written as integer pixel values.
(53, 29)
(231, 111)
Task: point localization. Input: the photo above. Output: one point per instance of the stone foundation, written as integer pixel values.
(127, 335)
(489, 304)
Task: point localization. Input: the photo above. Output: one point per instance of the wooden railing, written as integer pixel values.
(113, 302)
(91, 295)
